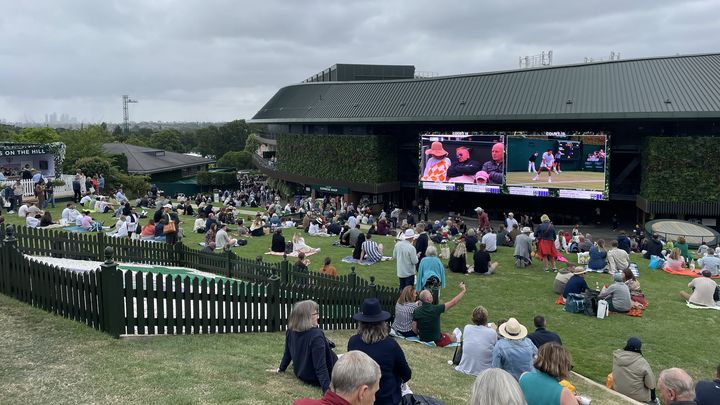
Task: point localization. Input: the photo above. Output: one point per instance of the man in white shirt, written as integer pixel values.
(618, 259)
(120, 197)
(222, 240)
(490, 241)
(406, 258)
(710, 263)
(86, 201)
(510, 221)
(703, 290)
(121, 228)
(23, 210)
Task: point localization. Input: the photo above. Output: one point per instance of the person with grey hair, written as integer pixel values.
(431, 273)
(307, 347)
(355, 381)
(676, 387)
(496, 386)
(617, 295)
(426, 318)
(372, 339)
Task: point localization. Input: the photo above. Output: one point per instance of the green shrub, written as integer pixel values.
(681, 169)
(361, 159)
(236, 159)
(216, 179)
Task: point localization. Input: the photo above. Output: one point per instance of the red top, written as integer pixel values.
(330, 398)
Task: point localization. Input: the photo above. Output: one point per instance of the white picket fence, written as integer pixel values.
(29, 187)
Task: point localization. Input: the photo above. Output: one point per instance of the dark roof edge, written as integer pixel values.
(504, 118)
(499, 72)
(168, 168)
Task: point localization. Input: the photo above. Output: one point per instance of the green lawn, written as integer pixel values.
(50, 356)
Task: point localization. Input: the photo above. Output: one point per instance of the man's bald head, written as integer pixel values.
(426, 296)
(675, 384)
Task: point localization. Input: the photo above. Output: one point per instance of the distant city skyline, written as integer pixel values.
(220, 60)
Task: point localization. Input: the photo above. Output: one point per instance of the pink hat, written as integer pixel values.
(436, 149)
(482, 174)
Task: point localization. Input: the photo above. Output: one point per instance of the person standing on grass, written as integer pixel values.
(355, 381)
(405, 258)
(545, 236)
(307, 347)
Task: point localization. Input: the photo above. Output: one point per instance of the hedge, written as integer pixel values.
(216, 179)
(681, 169)
(361, 159)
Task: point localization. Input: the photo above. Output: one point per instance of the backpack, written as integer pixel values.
(288, 247)
(575, 303)
(591, 303)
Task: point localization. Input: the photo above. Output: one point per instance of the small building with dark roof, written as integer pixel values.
(159, 164)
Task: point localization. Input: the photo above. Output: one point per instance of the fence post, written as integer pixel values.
(180, 255)
(285, 269)
(112, 300)
(101, 243)
(373, 288)
(352, 278)
(228, 257)
(9, 245)
(274, 303)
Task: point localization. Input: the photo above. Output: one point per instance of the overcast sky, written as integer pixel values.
(219, 60)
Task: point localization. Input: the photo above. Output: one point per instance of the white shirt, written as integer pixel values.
(65, 214)
(221, 239)
(478, 344)
(85, 200)
(199, 224)
(32, 222)
(78, 219)
(121, 229)
(22, 211)
(509, 222)
(490, 241)
(352, 221)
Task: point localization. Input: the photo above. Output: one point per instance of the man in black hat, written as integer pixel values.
(632, 375)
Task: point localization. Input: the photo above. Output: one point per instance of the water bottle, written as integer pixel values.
(597, 286)
(692, 264)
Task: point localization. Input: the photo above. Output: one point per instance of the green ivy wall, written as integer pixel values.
(681, 169)
(361, 159)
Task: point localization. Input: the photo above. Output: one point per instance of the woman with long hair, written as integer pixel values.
(598, 256)
(299, 244)
(458, 259)
(307, 347)
(404, 309)
(675, 260)
(372, 339)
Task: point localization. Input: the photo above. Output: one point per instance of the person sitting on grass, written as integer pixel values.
(307, 347)
(372, 339)
(617, 295)
(704, 290)
(653, 247)
(542, 386)
(427, 318)
(328, 269)
(632, 375)
(478, 342)
(355, 381)
(675, 387)
(458, 259)
(523, 248)
(357, 250)
(542, 335)
(514, 353)
(148, 231)
(46, 219)
(210, 233)
(299, 245)
(222, 239)
(31, 221)
(404, 309)
(681, 244)
(598, 257)
(209, 248)
(370, 251)
(257, 227)
(496, 386)
(199, 225)
(576, 284)
(561, 279)
(121, 228)
(618, 259)
(708, 392)
(710, 263)
(278, 242)
(482, 263)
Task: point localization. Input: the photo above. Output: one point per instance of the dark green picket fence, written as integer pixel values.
(248, 295)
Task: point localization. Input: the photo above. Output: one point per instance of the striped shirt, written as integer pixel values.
(404, 316)
(372, 253)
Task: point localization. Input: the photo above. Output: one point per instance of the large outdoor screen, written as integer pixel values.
(462, 162)
(557, 164)
(553, 164)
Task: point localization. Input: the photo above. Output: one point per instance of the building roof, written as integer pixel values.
(142, 160)
(663, 87)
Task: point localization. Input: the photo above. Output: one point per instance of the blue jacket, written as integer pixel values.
(430, 266)
(312, 358)
(514, 356)
(598, 259)
(394, 369)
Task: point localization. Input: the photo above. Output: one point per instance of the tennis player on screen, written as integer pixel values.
(546, 164)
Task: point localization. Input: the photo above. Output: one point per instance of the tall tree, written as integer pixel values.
(81, 143)
(37, 135)
(168, 139)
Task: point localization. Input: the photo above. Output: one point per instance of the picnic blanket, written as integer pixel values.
(350, 259)
(686, 272)
(417, 339)
(293, 254)
(75, 229)
(693, 306)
